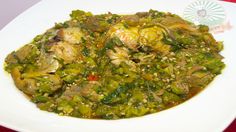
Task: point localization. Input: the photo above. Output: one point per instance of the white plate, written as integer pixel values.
(211, 110)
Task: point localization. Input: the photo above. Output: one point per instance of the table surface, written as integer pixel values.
(18, 6)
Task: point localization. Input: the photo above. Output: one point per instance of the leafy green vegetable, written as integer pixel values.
(80, 15)
(111, 66)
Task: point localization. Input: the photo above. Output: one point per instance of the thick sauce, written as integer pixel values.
(113, 66)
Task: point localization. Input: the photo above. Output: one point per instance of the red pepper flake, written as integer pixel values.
(92, 77)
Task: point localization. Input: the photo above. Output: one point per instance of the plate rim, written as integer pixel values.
(11, 126)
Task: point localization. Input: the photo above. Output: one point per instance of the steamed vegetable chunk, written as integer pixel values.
(113, 66)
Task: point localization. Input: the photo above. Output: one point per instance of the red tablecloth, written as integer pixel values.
(234, 1)
(231, 128)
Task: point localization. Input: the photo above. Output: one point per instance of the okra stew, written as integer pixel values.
(112, 66)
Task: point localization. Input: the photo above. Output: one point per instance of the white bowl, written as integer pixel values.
(211, 110)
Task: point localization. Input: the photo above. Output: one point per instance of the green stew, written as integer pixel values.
(113, 66)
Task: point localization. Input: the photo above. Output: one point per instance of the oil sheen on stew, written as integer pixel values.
(111, 66)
